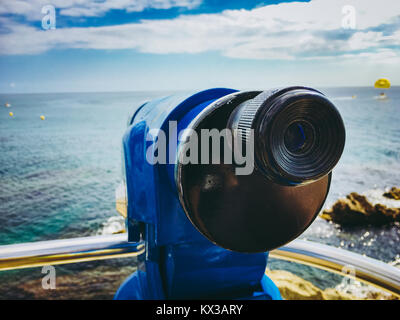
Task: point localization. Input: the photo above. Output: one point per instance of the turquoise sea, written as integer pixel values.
(58, 175)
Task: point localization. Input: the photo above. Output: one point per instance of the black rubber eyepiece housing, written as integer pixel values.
(298, 133)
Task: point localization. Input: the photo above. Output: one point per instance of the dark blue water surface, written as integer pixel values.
(58, 175)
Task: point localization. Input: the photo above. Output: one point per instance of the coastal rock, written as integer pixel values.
(393, 193)
(356, 210)
(293, 287)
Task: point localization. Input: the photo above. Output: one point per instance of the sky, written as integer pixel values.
(130, 45)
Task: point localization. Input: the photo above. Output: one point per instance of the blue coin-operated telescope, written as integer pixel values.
(216, 179)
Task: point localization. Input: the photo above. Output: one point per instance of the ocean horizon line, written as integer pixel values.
(175, 90)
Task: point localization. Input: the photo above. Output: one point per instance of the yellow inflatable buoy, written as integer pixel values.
(11, 114)
(42, 117)
(382, 83)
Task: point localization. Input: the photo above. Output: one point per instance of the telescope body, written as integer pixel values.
(208, 225)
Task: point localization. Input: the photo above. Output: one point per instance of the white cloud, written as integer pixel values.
(31, 9)
(286, 31)
(380, 56)
(94, 8)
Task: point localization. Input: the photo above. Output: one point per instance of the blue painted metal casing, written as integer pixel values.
(180, 262)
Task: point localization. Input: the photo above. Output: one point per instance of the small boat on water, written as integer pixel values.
(382, 84)
(382, 96)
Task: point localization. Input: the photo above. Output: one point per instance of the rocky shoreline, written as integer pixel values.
(358, 210)
(293, 287)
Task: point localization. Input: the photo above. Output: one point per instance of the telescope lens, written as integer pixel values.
(295, 138)
(298, 134)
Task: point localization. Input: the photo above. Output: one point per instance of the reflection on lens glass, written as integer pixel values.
(295, 137)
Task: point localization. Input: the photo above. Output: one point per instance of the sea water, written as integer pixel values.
(58, 175)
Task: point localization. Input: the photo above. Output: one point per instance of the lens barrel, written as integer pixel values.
(299, 134)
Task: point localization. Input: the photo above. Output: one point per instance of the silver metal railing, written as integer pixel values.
(34, 254)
